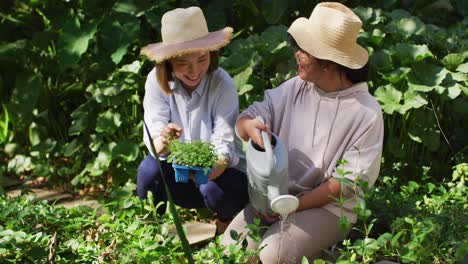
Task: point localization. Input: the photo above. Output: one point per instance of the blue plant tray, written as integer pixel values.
(182, 173)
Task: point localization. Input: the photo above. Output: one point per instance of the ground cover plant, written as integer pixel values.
(71, 86)
(411, 223)
(125, 230)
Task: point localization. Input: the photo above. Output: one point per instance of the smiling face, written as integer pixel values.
(191, 68)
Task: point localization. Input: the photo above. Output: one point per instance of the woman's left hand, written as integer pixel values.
(220, 166)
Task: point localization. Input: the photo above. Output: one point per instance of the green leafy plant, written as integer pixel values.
(410, 223)
(196, 153)
(237, 252)
(72, 80)
(124, 230)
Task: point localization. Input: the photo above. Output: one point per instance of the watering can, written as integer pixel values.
(267, 172)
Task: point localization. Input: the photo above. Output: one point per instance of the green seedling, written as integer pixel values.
(195, 153)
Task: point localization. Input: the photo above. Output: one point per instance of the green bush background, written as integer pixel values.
(72, 81)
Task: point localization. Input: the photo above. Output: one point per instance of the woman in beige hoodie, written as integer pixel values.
(323, 115)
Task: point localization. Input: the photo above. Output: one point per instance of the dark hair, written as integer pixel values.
(354, 75)
(164, 71)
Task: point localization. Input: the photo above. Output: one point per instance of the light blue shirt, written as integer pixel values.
(209, 114)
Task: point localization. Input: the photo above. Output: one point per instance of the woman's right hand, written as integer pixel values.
(170, 132)
(251, 128)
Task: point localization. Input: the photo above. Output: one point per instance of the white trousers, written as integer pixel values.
(308, 232)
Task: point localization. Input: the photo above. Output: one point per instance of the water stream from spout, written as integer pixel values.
(286, 221)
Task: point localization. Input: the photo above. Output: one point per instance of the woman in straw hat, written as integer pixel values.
(188, 96)
(323, 115)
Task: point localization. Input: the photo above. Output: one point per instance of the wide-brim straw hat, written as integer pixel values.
(331, 33)
(183, 31)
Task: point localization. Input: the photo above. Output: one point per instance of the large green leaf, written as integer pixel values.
(382, 60)
(133, 67)
(245, 89)
(425, 130)
(96, 143)
(24, 99)
(108, 122)
(364, 13)
(242, 53)
(71, 148)
(389, 98)
(102, 161)
(453, 60)
(463, 68)
(103, 91)
(426, 75)
(398, 14)
(397, 75)
(369, 15)
(412, 99)
(117, 33)
(73, 41)
(409, 53)
(377, 36)
(83, 118)
(407, 26)
(457, 76)
(273, 10)
(121, 173)
(274, 39)
(241, 80)
(126, 149)
(420, 87)
(454, 90)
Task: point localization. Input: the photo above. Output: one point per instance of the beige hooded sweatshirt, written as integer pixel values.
(318, 129)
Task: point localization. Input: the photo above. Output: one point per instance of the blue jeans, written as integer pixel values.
(226, 195)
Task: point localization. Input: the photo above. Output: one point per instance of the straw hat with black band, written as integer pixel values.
(183, 31)
(331, 33)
